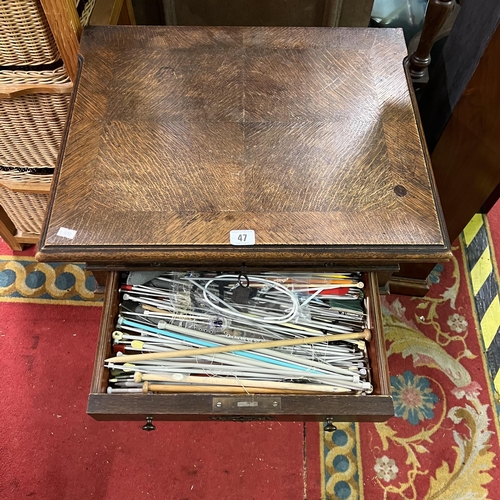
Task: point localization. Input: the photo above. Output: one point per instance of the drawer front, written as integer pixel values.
(376, 406)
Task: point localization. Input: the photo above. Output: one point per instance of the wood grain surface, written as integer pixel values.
(179, 135)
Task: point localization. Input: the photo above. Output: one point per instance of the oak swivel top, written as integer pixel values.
(179, 135)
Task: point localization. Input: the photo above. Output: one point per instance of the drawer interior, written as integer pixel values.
(375, 406)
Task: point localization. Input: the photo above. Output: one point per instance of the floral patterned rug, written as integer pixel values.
(443, 441)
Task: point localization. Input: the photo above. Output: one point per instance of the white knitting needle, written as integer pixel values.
(112, 390)
(266, 352)
(353, 385)
(241, 371)
(347, 375)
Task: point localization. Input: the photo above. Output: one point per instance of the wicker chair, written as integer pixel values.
(38, 65)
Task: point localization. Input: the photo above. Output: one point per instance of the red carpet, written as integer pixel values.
(50, 449)
(442, 444)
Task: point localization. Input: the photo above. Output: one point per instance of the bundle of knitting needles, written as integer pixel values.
(288, 333)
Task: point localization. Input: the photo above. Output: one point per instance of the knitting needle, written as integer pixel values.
(112, 390)
(179, 377)
(340, 374)
(272, 359)
(227, 341)
(276, 354)
(145, 343)
(320, 324)
(224, 371)
(181, 333)
(161, 366)
(230, 359)
(147, 387)
(366, 334)
(266, 356)
(190, 314)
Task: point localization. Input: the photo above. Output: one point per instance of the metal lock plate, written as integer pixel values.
(247, 404)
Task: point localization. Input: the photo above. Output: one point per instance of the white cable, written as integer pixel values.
(263, 319)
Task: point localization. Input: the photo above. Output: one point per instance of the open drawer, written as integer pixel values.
(376, 406)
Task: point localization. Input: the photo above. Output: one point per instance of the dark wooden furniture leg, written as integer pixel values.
(100, 278)
(435, 17)
(459, 109)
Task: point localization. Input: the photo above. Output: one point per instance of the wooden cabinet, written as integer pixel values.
(265, 13)
(307, 136)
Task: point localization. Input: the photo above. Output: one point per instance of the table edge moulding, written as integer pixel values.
(325, 245)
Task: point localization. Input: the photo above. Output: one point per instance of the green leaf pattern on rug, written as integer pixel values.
(465, 479)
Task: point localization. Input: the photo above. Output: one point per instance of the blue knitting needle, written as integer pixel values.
(178, 336)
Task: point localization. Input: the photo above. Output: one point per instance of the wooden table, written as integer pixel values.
(306, 136)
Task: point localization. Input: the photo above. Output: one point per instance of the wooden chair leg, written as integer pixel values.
(436, 15)
(8, 231)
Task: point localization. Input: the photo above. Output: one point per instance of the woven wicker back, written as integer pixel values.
(25, 210)
(31, 128)
(25, 36)
(32, 118)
